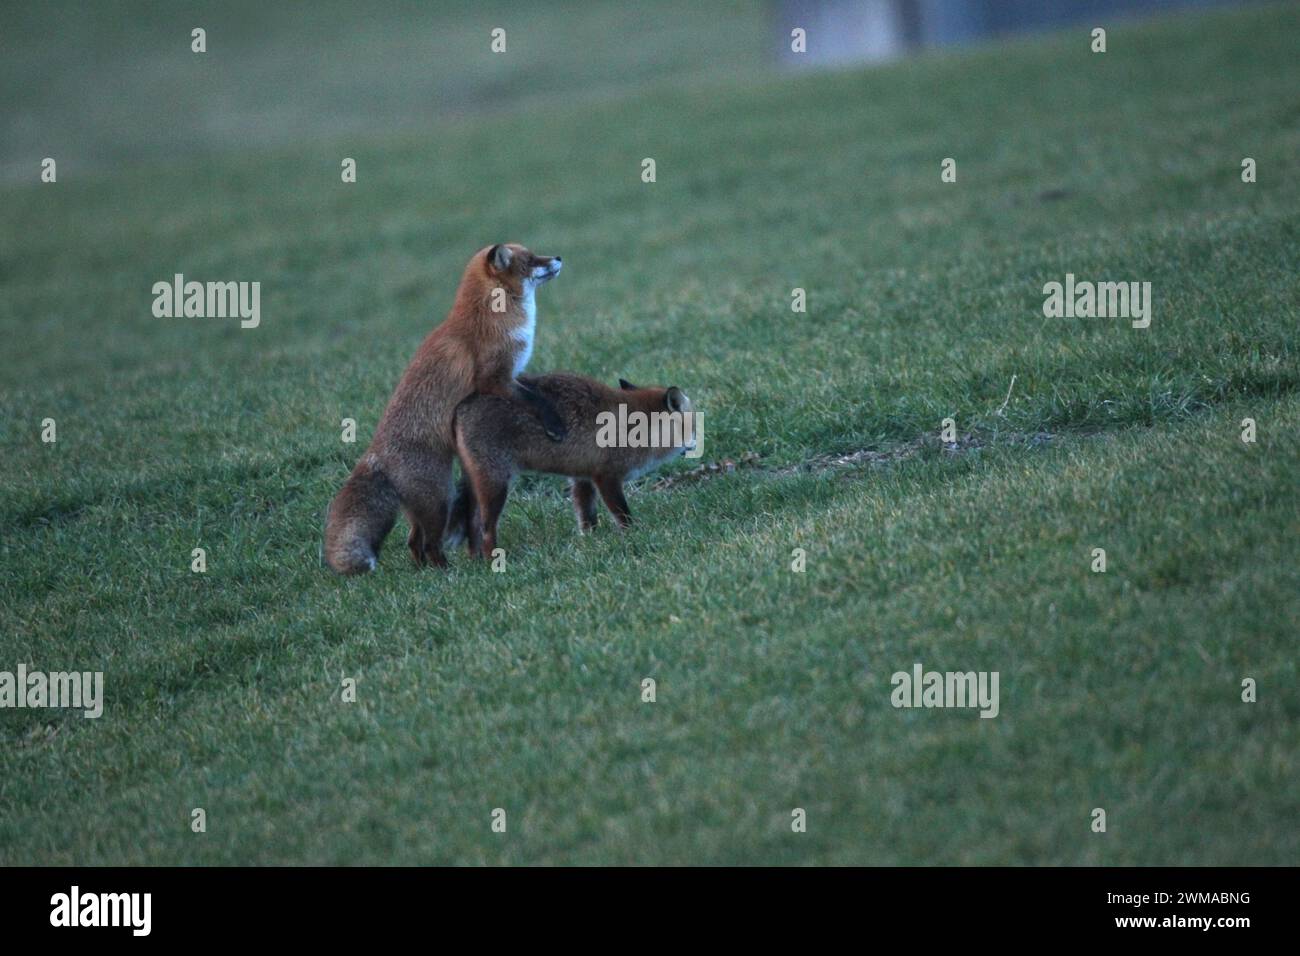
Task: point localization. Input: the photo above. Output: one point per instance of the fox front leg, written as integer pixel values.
(584, 503)
(611, 491)
(556, 429)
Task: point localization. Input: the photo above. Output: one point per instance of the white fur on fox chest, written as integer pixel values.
(525, 333)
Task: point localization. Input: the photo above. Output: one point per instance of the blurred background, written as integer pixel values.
(924, 300)
(114, 82)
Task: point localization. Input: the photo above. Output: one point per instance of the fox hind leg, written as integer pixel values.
(491, 497)
(415, 539)
(462, 525)
(432, 521)
(489, 476)
(424, 487)
(490, 492)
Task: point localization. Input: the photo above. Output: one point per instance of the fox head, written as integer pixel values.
(518, 270)
(673, 400)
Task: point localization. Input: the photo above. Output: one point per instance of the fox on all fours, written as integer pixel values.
(495, 441)
(480, 348)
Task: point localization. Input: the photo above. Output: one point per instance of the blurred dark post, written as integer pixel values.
(862, 31)
(846, 31)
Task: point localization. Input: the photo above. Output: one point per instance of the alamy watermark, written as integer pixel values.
(76, 689)
(208, 300)
(638, 429)
(922, 688)
(75, 908)
(1098, 300)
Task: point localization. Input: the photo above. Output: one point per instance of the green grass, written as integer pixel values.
(522, 690)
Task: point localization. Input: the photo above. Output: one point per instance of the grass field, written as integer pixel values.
(522, 690)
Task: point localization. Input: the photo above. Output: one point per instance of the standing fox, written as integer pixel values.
(495, 442)
(482, 346)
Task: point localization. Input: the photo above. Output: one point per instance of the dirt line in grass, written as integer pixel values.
(752, 461)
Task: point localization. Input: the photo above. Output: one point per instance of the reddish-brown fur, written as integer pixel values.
(409, 461)
(496, 440)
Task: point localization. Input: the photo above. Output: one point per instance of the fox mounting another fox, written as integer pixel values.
(481, 347)
(495, 442)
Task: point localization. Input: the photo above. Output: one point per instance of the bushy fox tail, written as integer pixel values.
(360, 517)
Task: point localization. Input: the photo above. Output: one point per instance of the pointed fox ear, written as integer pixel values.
(625, 385)
(675, 399)
(499, 257)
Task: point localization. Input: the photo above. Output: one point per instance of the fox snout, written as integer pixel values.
(675, 400)
(546, 268)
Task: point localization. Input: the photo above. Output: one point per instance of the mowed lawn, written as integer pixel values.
(522, 690)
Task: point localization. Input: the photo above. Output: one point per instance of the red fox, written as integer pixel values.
(482, 346)
(495, 441)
